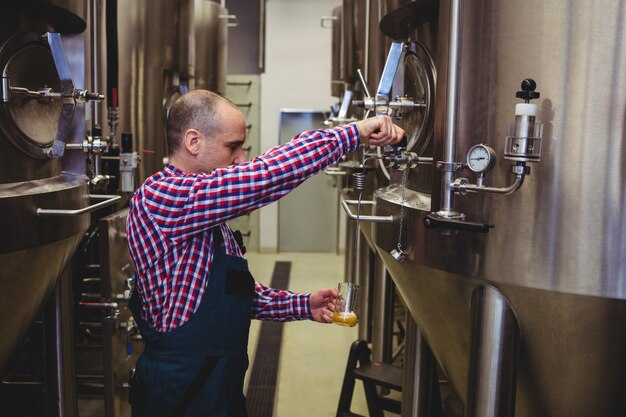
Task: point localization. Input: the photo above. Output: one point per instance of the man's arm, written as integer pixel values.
(280, 305)
(197, 202)
(283, 305)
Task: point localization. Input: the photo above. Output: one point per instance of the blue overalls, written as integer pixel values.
(198, 368)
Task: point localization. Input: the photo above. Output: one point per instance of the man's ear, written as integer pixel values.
(191, 141)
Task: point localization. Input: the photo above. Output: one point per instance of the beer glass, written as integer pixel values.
(346, 306)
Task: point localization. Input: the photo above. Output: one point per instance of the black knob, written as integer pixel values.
(529, 84)
(528, 90)
(127, 142)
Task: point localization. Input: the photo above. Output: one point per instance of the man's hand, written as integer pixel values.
(379, 131)
(322, 304)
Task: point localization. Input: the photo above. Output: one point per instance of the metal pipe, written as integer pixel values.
(495, 341)
(376, 219)
(363, 277)
(363, 83)
(95, 4)
(349, 266)
(449, 151)
(108, 200)
(366, 55)
(98, 305)
(478, 189)
(421, 396)
(108, 366)
(59, 351)
(382, 314)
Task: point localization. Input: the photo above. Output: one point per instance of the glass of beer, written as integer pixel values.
(346, 305)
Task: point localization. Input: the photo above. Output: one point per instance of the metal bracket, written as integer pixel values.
(435, 221)
(448, 166)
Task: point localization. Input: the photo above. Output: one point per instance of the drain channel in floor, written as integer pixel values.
(264, 372)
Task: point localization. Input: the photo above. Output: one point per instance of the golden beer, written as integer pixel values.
(345, 318)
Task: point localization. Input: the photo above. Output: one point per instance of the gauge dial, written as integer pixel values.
(481, 158)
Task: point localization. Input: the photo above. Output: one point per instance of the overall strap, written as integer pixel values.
(194, 387)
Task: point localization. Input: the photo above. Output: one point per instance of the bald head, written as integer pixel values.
(197, 109)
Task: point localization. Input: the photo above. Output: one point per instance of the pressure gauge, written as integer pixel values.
(481, 158)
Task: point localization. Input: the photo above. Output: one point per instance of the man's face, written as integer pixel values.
(225, 148)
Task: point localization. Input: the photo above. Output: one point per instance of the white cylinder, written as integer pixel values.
(525, 109)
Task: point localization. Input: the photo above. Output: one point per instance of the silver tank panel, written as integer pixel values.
(35, 250)
(563, 230)
(557, 250)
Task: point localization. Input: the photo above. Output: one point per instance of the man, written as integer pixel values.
(194, 295)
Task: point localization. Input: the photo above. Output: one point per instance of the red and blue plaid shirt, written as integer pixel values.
(172, 214)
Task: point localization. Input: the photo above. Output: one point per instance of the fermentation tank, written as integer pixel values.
(211, 47)
(166, 48)
(399, 80)
(147, 60)
(43, 197)
(521, 295)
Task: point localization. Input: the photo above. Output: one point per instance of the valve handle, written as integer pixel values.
(528, 90)
(367, 91)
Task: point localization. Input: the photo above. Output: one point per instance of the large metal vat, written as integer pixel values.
(147, 59)
(211, 47)
(556, 254)
(36, 248)
(165, 49)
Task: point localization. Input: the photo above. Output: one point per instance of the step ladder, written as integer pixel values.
(373, 376)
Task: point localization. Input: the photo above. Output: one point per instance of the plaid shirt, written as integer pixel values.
(172, 214)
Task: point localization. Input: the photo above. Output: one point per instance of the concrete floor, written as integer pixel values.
(313, 355)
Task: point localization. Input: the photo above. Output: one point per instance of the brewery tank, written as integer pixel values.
(166, 48)
(36, 248)
(556, 251)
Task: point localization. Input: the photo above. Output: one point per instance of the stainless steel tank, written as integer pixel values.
(37, 246)
(211, 47)
(147, 59)
(556, 257)
(165, 49)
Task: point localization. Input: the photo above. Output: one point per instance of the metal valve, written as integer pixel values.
(380, 104)
(523, 143)
(401, 159)
(398, 158)
(46, 93)
(83, 96)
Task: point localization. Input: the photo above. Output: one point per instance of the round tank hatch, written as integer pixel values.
(419, 85)
(30, 123)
